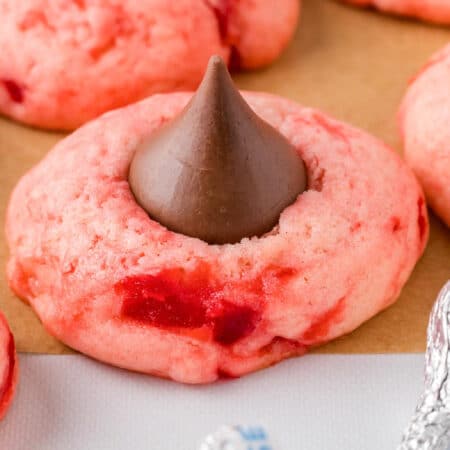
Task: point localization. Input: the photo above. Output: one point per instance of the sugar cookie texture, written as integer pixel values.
(64, 62)
(8, 366)
(112, 283)
(437, 11)
(425, 127)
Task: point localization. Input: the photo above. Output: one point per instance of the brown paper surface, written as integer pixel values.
(353, 64)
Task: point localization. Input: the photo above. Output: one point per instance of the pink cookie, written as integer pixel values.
(425, 127)
(8, 366)
(65, 62)
(437, 11)
(114, 284)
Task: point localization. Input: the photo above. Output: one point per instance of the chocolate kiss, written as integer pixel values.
(217, 172)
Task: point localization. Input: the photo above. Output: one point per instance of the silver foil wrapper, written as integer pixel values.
(430, 426)
(237, 438)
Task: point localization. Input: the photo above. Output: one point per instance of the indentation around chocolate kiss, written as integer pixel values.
(217, 171)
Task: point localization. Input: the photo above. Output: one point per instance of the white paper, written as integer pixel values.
(317, 402)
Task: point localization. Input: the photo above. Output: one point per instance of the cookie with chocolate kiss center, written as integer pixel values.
(217, 172)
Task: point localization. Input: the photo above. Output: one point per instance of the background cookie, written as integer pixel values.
(8, 366)
(437, 11)
(65, 62)
(89, 259)
(425, 127)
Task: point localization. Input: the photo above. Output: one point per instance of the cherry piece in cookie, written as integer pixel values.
(8, 366)
(217, 172)
(15, 92)
(132, 285)
(169, 300)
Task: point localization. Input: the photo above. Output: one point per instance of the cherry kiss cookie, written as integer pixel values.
(437, 11)
(64, 62)
(194, 237)
(425, 127)
(8, 366)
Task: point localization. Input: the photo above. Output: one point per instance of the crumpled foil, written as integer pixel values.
(430, 426)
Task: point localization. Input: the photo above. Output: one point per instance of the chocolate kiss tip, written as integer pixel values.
(217, 172)
(217, 64)
(216, 60)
